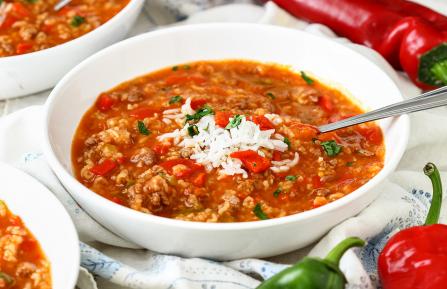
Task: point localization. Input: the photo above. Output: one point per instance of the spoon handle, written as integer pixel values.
(61, 4)
(424, 101)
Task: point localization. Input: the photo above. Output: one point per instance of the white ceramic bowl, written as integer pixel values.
(36, 71)
(47, 219)
(77, 91)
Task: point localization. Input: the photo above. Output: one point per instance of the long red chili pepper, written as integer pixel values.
(416, 258)
(411, 37)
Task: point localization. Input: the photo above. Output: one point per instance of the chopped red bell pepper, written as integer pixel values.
(416, 258)
(372, 134)
(252, 160)
(24, 47)
(316, 182)
(161, 149)
(199, 180)
(276, 156)
(326, 104)
(198, 103)
(103, 168)
(190, 167)
(263, 122)
(407, 35)
(221, 118)
(19, 10)
(105, 102)
(304, 131)
(143, 112)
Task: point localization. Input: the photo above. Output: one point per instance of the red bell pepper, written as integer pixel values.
(143, 112)
(197, 103)
(193, 172)
(222, 118)
(411, 37)
(263, 122)
(103, 168)
(252, 160)
(416, 258)
(105, 102)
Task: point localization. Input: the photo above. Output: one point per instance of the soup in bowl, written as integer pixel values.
(187, 143)
(225, 141)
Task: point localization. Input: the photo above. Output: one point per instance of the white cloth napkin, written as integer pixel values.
(403, 201)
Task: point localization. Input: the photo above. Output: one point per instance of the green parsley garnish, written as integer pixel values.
(291, 178)
(271, 95)
(349, 164)
(259, 212)
(287, 142)
(186, 67)
(277, 192)
(234, 122)
(29, 1)
(6, 277)
(175, 99)
(331, 148)
(206, 110)
(306, 78)
(175, 68)
(193, 130)
(77, 20)
(142, 128)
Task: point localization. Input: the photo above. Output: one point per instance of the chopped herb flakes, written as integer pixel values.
(193, 130)
(186, 67)
(349, 164)
(259, 212)
(271, 95)
(287, 142)
(142, 128)
(175, 68)
(234, 122)
(206, 110)
(175, 99)
(77, 20)
(277, 192)
(331, 148)
(291, 178)
(306, 78)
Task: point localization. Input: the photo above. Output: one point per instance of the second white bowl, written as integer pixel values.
(33, 72)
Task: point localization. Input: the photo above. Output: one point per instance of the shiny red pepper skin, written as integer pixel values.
(401, 32)
(415, 258)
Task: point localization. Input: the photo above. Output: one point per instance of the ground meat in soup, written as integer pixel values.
(224, 141)
(23, 265)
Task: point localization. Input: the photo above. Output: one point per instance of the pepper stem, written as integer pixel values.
(435, 208)
(338, 251)
(440, 71)
(433, 66)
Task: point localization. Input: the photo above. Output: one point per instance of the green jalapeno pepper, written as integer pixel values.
(314, 273)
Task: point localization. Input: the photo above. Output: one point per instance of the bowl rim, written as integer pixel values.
(119, 210)
(87, 36)
(73, 272)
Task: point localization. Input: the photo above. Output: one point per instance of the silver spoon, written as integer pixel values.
(61, 4)
(428, 100)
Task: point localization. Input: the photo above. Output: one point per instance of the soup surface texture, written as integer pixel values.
(22, 262)
(225, 141)
(32, 25)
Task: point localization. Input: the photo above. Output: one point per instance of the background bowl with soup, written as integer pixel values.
(39, 45)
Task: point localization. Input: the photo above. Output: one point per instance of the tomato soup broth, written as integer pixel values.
(224, 141)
